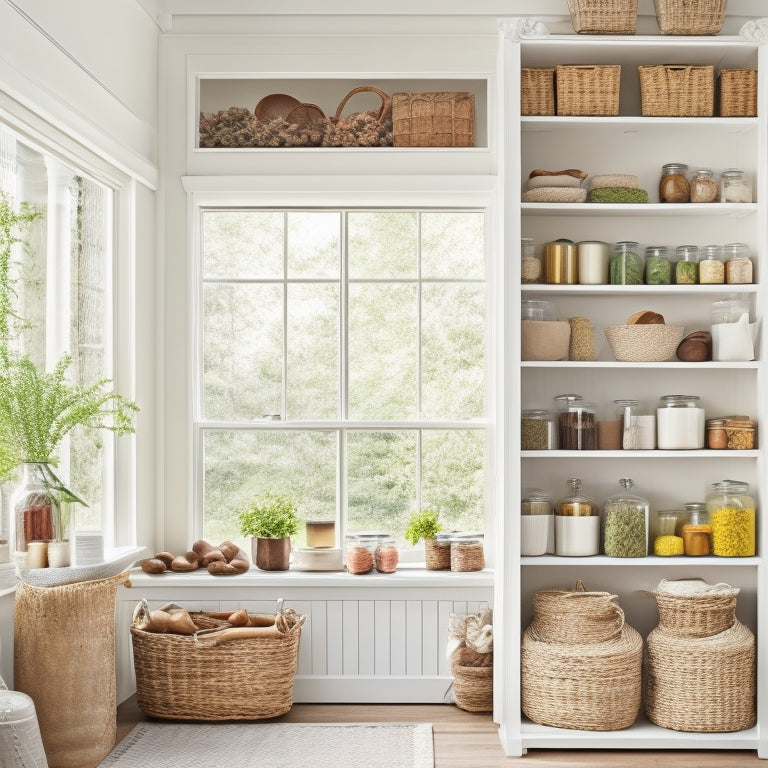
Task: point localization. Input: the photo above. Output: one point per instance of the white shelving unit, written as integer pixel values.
(628, 143)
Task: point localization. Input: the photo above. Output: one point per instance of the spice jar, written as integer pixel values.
(717, 439)
(638, 426)
(625, 523)
(560, 262)
(582, 342)
(686, 264)
(576, 425)
(537, 430)
(358, 554)
(732, 518)
(680, 423)
(738, 265)
(704, 189)
(711, 265)
(697, 534)
(673, 185)
(626, 267)
(658, 268)
(594, 256)
(537, 524)
(735, 187)
(386, 556)
(683, 518)
(577, 524)
(531, 269)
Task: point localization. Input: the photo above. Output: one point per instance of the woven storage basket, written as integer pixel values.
(604, 17)
(473, 687)
(562, 616)
(668, 90)
(436, 119)
(437, 555)
(690, 17)
(643, 343)
(588, 89)
(695, 615)
(702, 685)
(537, 91)
(738, 92)
(250, 678)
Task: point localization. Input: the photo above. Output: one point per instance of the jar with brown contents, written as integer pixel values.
(674, 186)
(704, 189)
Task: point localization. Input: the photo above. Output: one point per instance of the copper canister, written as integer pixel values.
(561, 263)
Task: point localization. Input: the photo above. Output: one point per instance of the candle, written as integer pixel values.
(37, 554)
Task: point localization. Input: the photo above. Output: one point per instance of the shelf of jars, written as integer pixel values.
(650, 561)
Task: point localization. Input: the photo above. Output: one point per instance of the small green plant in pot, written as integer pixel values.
(270, 522)
(424, 525)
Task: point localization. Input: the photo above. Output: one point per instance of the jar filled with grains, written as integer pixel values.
(738, 265)
(658, 267)
(531, 268)
(625, 523)
(697, 534)
(704, 189)
(735, 187)
(687, 264)
(537, 430)
(673, 185)
(667, 542)
(740, 433)
(577, 524)
(582, 342)
(732, 517)
(576, 424)
(711, 265)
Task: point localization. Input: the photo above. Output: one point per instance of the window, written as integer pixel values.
(342, 360)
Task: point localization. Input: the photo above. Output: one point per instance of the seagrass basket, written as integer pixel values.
(700, 615)
(643, 343)
(433, 119)
(671, 90)
(561, 616)
(588, 89)
(473, 687)
(690, 17)
(537, 91)
(603, 17)
(245, 678)
(738, 92)
(437, 555)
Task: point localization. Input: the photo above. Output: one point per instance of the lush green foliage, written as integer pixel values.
(423, 525)
(273, 516)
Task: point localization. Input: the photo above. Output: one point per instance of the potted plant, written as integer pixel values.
(270, 522)
(424, 525)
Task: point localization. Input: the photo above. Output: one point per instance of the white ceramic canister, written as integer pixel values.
(680, 423)
(593, 256)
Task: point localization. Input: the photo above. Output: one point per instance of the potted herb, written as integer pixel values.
(424, 525)
(270, 522)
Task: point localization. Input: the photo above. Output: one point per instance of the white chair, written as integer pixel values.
(21, 745)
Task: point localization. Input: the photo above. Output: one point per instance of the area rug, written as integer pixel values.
(275, 745)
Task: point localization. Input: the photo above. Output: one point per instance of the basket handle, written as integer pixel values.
(386, 102)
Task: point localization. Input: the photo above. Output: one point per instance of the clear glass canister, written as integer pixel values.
(638, 426)
(704, 188)
(560, 262)
(735, 187)
(359, 554)
(738, 265)
(668, 542)
(625, 523)
(697, 533)
(711, 265)
(537, 523)
(658, 267)
(537, 430)
(594, 256)
(673, 185)
(717, 439)
(627, 266)
(731, 511)
(531, 268)
(386, 556)
(680, 423)
(687, 264)
(537, 309)
(576, 424)
(577, 524)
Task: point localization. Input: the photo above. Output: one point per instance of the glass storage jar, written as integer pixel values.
(358, 554)
(717, 439)
(537, 309)
(625, 523)
(537, 430)
(658, 267)
(594, 256)
(537, 523)
(560, 262)
(680, 423)
(697, 534)
(711, 265)
(385, 556)
(731, 511)
(704, 188)
(735, 187)
(738, 265)
(638, 426)
(733, 337)
(576, 424)
(686, 264)
(674, 186)
(668, 541)
(626, 266)
(577, 524)
(531, 268)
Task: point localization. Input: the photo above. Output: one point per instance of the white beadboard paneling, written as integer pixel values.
(382, 650)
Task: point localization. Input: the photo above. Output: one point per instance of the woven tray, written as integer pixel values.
(588, 89)
(690, 17)
(436, 119)
(537, 91)
(473, 687)
(738, 92)
(603, 17)
(677, 91)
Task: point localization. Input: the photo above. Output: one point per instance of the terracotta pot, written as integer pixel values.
(271, 554)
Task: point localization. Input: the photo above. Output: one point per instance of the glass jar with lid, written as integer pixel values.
(560, 262)
(668, 541)
(358, 554)
(687, 264)
(735, 187)
(658, 267)
(385, 556)
(531, 268)
(537, 523)
(697, 533)
(577, 524)
(576, 423)
(674, 186)
(680, 423)
(627, 266)
(537, 430)
(711, 265)
(638, 426)
(537, 309)
(731, 511)
(704, 188)
(625, 523)
(738, 265)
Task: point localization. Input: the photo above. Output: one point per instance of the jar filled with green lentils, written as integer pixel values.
(538, 431)
(625, 523)
(732, 518)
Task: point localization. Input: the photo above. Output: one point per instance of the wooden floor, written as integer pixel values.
(471, 740)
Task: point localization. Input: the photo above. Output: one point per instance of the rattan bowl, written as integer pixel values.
(644, 343)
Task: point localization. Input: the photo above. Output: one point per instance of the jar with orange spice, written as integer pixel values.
(386, 556)
(697, 534)
(358, 554)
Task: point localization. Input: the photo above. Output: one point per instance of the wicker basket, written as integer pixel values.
(738, 92)
(690, 17)
(437, 119)
(588, 89)
(437, 555)
(537, 91)
(644, 343)
(249, 678)
(603, 17)
(677, 91)
(696, 615)
(561, 616)
(702, 685)
(473, 687)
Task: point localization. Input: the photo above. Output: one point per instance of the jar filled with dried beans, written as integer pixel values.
(537, 430)
(674, 186)
(711, 265)
(738, 265)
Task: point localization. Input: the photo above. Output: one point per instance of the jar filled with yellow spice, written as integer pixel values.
(731, 511)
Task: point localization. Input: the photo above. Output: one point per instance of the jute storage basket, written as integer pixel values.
(537, 91)
(603, 17)
(668, 90)
(588, 89)
(250, 678)
(695, 615)
(473, 687)
(738, 92)
(690, 17)
(433, 119)
(586, 681)
(437, 555)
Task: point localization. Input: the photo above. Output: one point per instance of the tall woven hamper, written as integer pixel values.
(64, 659)
(21, 745)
